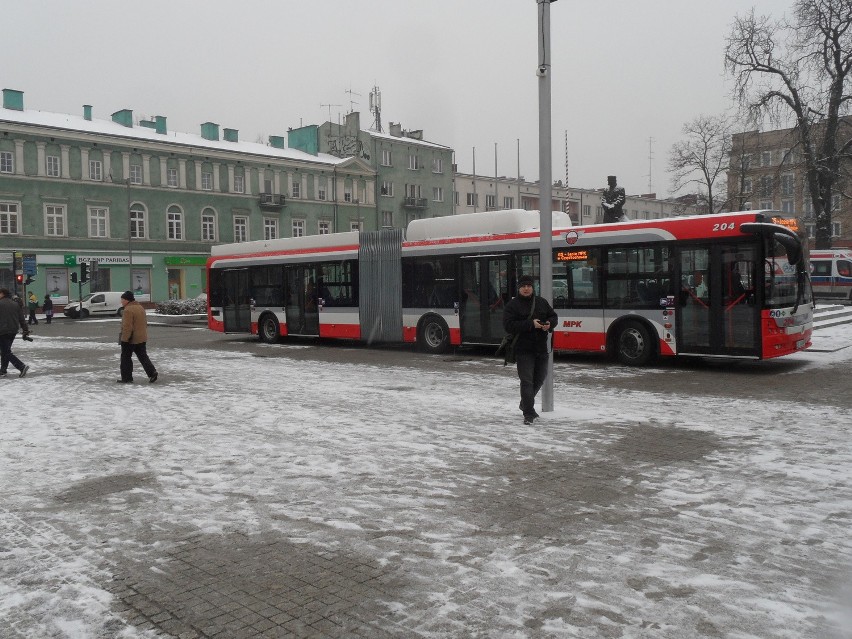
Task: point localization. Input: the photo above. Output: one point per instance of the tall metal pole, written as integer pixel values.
(545, 181)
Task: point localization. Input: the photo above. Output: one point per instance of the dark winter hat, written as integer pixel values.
(525, 279)
(128, 295)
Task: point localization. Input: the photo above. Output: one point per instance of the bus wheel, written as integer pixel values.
(268, 329)
(634, 346)
(434, 335)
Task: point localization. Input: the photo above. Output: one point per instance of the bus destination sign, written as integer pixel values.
(571, 256)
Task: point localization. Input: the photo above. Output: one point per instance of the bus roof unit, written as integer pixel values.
(481, 224)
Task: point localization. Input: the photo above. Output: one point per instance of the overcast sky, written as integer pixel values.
(626, 75)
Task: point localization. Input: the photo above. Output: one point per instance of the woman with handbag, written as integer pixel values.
(530, 318)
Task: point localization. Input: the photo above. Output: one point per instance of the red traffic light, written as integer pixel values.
(20, 278)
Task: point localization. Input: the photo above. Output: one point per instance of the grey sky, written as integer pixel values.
(461, 70)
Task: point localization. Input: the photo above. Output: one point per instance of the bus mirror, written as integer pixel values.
(793, 246)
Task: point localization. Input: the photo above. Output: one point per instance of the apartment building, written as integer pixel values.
(147, 203)
(767, 171)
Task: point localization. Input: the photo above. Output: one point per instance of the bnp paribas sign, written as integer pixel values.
(74, 260)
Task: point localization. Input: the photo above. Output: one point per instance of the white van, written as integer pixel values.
(831, 274)
(102, 303)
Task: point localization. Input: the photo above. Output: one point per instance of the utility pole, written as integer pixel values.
(545, 181)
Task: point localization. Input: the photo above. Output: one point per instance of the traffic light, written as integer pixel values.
(30, 279)
(74, 277)
(19, 278)
(84, 272)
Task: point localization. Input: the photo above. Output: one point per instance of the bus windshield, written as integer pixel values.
(785, 282)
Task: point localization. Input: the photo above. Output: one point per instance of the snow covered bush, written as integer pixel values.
(182, 307)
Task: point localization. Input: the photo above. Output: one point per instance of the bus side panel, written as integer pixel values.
(340, 323)
(411, 319)
(215, 323)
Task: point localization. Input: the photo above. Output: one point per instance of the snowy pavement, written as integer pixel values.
(246, 496)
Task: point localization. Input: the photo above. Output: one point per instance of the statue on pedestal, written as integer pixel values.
(612, 201)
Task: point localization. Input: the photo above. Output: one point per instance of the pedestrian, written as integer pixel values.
(133, 339)
(531, 318)
(32, 305)
(11, 319)
(47, 308)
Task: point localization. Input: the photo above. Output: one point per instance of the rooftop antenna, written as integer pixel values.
(352, 102)
(650, 160)
(329, 109)
(376, 108)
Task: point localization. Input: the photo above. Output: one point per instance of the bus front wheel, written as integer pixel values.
(434, 335)
(633, 345)
(268, 329)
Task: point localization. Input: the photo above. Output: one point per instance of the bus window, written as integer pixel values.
(638, 277)
(429, 282)
(781, 283)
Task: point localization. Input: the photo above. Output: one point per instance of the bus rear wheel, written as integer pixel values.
(268, 330)
(434, 335)
(633, 344)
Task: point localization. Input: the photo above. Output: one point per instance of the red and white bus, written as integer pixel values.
(732, 285)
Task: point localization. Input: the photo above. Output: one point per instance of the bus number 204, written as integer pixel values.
(725, 226)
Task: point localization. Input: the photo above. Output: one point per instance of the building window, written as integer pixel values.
(51, 165)
(324, 227)
(239, 184)
(174, 223)
(490, 202)
(438, 193)
(136, 174)
(355, 225)
(764, 186)
(7, 164)
(172, 178)
(208, 225)
(835, 229)
(437, 165)
(98, 221)
(766, 158)
(386, 157)
(241, 228)
(456, 198)
(96, 170)
(508, 202)
(298, 228)
(472, 199)
(320, 192)
(270, 228)
(387, 218)
(835, 202)
(747, 185)
(347, 195)
(8, 218)
(297, 190)
(810, 230)
(413, 162)
(138, 222)
(387, 189)
(787, 206)
(745, 162)
(765, 204)
(587, 211)
(206, 181)
(787, 184)
(54, 220)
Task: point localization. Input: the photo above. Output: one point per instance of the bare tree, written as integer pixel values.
(798, 70)
(702, 159)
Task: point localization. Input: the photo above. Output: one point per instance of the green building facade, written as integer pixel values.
(147, 204)
(414, 177)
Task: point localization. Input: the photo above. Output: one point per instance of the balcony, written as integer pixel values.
(271, 201)
(415, 203)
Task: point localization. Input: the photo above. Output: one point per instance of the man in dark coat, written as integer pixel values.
(531, 349)
(11, 319)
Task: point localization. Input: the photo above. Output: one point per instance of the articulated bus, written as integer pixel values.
(732, 285)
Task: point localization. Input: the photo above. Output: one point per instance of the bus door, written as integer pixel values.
(718, 312)
(236, 301)
(485, 291)
(301, 296)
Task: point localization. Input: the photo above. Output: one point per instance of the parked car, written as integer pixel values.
(101, 303)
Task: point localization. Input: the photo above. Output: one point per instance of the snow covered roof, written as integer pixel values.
(478, 224)
(66, 122)
(407, 140)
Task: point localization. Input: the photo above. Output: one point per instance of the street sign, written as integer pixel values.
(29, 260)
(70, 259)
(17, 260)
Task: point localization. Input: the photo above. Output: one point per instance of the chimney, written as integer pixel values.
(123, 117)
(210, 131)
(232, 135)
(161, 124)
(13, 99)
(277, 141)
(87, 111)
(396, 129)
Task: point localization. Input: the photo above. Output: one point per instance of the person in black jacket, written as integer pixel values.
(11, 319)
(531, 349)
